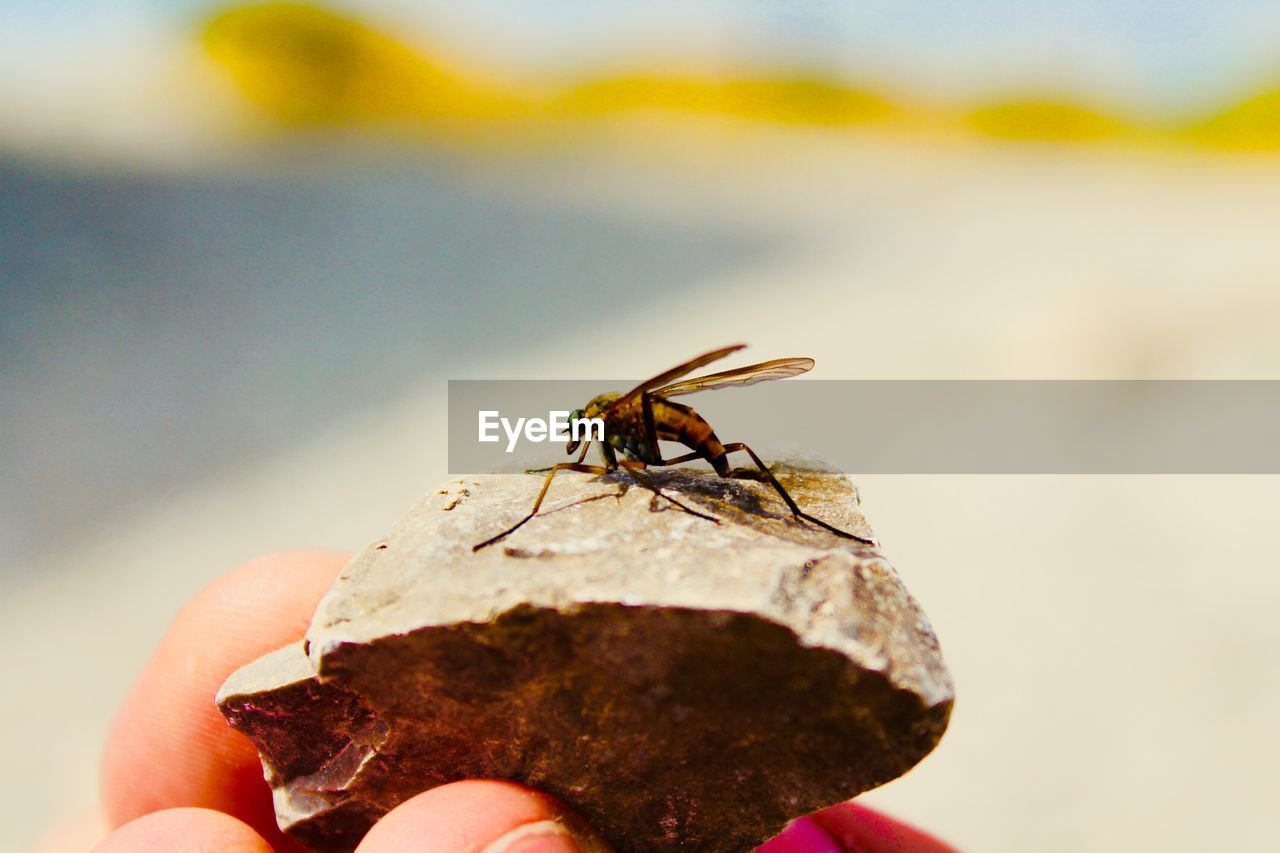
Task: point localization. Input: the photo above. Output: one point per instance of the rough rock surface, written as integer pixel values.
(683, 684)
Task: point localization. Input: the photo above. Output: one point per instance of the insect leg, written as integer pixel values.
(635, 467)
(651, 435)
(791, 504)
(650, 429)
(546, 484)
(583, 455)
(688, 457)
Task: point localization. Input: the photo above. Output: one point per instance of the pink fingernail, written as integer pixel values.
(802, 834)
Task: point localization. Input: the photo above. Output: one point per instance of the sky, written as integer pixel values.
(1162, 56)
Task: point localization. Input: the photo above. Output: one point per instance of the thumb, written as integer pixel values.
(480, 816)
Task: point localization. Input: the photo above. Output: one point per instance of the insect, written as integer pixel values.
(636, 421)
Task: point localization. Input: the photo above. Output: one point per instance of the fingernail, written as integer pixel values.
(802, 834)
(544, 836)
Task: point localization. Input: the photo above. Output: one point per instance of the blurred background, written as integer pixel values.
(243, 247)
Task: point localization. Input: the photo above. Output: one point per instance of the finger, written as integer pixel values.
(169, 746)
(188, 830)
(856, 827)
(485, 816)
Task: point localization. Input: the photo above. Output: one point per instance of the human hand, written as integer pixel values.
(176, 777)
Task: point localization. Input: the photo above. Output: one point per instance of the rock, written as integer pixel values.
(683, 684)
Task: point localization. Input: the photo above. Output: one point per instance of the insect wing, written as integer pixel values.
(675, 373)
(765, 371)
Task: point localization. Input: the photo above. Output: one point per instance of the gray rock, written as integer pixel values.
(683, 684)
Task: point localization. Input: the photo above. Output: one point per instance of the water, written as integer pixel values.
(154, 326)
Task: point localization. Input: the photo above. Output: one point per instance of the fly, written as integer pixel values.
(636, 421)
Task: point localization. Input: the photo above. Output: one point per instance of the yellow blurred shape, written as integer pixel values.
(302, 65)
(1045, 120)
(789, 99)
(1250, 125)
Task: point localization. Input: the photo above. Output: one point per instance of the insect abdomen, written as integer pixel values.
(675, 422)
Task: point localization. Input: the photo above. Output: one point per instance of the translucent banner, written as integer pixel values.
(912, 426)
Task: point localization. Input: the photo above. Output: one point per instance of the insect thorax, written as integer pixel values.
(599, 403)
